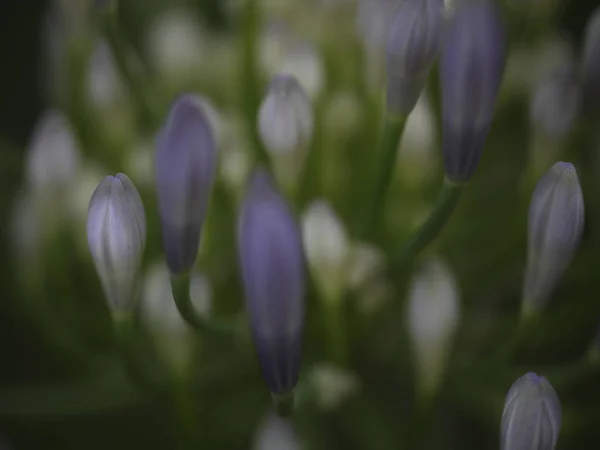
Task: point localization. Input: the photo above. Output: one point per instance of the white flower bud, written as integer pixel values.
(116, 230)
(276, 433)
(285, 118)
(104, 84)
(53, 156)
(433, 315)
(326, 247)
(332, 385)
(304, 62)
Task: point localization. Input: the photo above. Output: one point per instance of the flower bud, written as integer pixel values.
(532, 415)
(276, 433)
(556, 217)
(433, 315)
(471, 68)
(116, 230)
(285, 118)
(327, 248)
(185, 172)
(273, 275)
(556, 101)
(413, 44)
(591, 59)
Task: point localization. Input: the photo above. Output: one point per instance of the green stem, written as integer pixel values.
(446, 203)
(180, 285)
(284, 404)
(250, 79)
(392, 133)
(130, 69)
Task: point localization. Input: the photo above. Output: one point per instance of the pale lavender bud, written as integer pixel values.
(185, 171)
(556, 101)
(471, 69)
(413, 44)
(591, 59)
(285, 118)
(116, 230)
(532, 415)
(556, 218)
(273, 274)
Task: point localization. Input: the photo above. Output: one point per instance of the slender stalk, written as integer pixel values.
(250, 79)
(130, 69)
(446, 203)
(180, 285)
(284, 404)
(392, 133)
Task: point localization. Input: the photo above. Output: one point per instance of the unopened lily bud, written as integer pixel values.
(433, 315)
(532, 415)
(556, 218)
(285, 118)
(276, 433)
(273, 275)
(53, 155)
(327, 248)
(471, 69)
(556, 103)
(591, 59)
(116, 230)
(413, 44)
(186, 162)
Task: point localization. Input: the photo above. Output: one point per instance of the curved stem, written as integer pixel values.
(392, 133)
(446, 203)
(180, 286)
(129, 69)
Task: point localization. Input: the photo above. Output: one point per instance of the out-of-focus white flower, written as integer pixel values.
(304, 62)
(366, 261)
(176, 44)
(433, 315)
(104, 84)
(327, 248)
(332, 385)
(276, 433)
(53, 156)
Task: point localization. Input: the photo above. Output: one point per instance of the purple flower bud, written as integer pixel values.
(185, 172)
(471, 69)
(413, 44)
(591, 60)
(116, 231)
(273, 274)
(532, 415)
(556, 217)
(555, 104)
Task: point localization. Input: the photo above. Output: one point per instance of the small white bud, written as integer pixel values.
(116, 230)
(433, 315)
(327, 248)
(332, 385)
(285, 118)
(105, 87)
(276, 433)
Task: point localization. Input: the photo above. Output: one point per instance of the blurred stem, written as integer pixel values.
(250, 79)
(130, 69)
(284, 404)
(185, 408)
(180, 286)
(392, 133)
(336, 328)
(426, 233)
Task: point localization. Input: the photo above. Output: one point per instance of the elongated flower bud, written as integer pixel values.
(276, 433)
(116, 230)
(556, 217)
(433, 314)
(556, 102)
(273, 274)
(413, 44)
(471, 68)
(532, 415)
(591, 59)
(285, 118)
(185, 172)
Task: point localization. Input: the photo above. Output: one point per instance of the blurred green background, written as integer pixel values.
(53, 396)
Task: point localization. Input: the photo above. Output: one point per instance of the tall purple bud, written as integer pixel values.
(591, 60)
(471, 69)
(185, 172)
(414, 41)
(273, 274)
